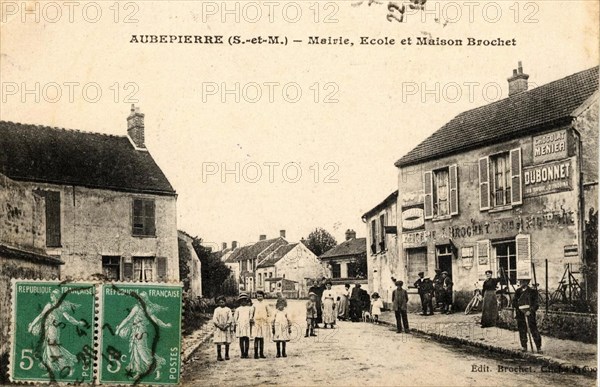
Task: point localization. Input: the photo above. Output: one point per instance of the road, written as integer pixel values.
(358, 354)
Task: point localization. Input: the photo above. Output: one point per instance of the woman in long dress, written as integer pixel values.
(55, 358)
(136, 328)
(489, 315)
(328, 304)
(343, 305)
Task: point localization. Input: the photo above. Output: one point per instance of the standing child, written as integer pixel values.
(261, 324)
(223, 320)
(311, 314)
(243, 320)
(376, 306)
(281, 327)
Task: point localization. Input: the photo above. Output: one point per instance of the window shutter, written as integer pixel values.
(127, 271)
(428, 187)
(515, 172)
(161, 268)
(523, 242)
(484, 183)
(149, 217)
(483, 258)
(453, 172)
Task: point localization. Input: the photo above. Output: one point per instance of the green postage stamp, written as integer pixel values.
(52, 332)
(140, 333)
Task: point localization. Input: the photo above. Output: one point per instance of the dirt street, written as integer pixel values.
(358, 354)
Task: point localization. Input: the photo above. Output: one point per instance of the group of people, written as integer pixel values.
(251, 320)
(349, 304)
(440, 289)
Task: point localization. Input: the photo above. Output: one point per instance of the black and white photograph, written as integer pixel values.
(299, 192)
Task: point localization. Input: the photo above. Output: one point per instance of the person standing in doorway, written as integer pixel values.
(399, 306)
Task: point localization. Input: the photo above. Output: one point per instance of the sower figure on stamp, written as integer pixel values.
(526, 305)
(417, 285)
(399, 306)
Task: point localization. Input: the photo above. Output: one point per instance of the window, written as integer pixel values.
(416, 262)
(373, 236)
(382, 231)
(444, 258)
(260, 279)
(336, 270)
(52, 201)
(143, 269)
(111, 267)
(270, 274)
(501, 181)
(143, 217)
(441, 192)
(506, 256)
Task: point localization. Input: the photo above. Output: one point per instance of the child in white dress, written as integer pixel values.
(223, 321)
(243, 319)
(281, 327)
(376, 307)
(261, 324)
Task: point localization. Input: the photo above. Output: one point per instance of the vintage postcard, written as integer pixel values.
(299, 192)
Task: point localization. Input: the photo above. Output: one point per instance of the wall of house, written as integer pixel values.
(382, 265)
(299, 264)
(22, 216)
(99, 222)
(193, 265)
(551, 219)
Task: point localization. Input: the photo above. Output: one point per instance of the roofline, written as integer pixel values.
(533, 129)
(344, 255)
(19, 253)
(107, 188)
(382, 204)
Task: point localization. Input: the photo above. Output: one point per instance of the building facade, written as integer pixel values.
(347, 262)
(109, 210)
(504, 187)
(190, 264)
(382, 246)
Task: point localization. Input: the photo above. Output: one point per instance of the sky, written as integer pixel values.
(310, 137)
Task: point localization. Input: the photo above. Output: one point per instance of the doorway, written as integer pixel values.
(444, 258)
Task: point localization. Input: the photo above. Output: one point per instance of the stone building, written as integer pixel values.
(504, 187)
(293, 262)
(345, 261)
(382, 242)
(109, 211)
(189, 263)
(22, 246)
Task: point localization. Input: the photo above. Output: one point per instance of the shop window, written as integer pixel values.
(506, 258)
(416, 262)
(111, 267)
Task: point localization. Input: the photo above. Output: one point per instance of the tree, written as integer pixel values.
(214, 272)
(320, 241)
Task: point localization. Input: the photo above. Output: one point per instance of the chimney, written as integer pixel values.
(350, 234)
(262, 237)
(224, 246)
(233, 245)
(282, 233)
(135, 127)
(518, 82)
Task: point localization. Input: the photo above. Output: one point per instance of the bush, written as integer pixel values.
(4, 368)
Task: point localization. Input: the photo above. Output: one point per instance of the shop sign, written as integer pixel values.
(550, 146)
(413, 218)
(547, 178)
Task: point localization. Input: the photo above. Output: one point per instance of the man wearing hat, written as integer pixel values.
(399, 306)
(437, 286)
(446, 296)
(525, 303)
(417, 285)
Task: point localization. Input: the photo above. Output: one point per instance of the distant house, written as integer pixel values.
(108, 208)
(247, 257)
(192, 282)
(346, 260)
(293, 262)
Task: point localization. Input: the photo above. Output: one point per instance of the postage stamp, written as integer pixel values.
(52, 337)
(140, 333)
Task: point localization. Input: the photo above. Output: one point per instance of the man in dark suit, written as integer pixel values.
(355, 303)
(525, 303)
(399, 306)
(418, 284)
